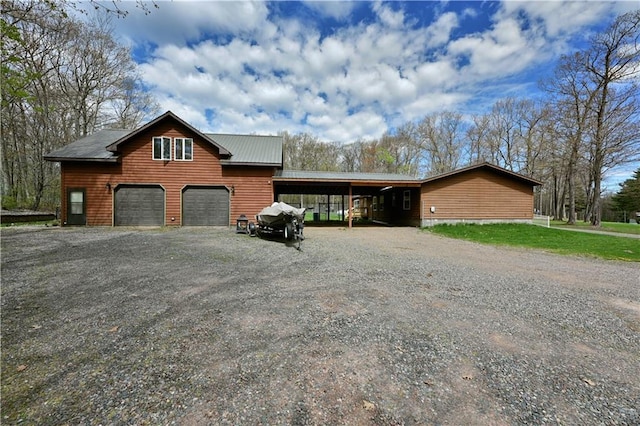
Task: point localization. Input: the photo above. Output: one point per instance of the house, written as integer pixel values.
(169, 173)
(165, 173)
(480, 193)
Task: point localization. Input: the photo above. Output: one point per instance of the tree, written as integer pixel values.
(440, 138)
(611, 65)
(627, 199)
(56, 91)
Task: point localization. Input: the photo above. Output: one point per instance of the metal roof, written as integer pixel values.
(250, 149)
(485, 165)
(89, 148)
(343, 176)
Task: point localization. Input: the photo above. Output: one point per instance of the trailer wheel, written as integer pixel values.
(288, 231)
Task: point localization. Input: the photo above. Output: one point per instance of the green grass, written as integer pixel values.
(550, 239)
(308, 216)
(623, 228)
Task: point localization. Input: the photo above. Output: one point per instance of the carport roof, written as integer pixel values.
(302, 175)
(337, 183)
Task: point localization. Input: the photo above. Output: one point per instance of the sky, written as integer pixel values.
(349, 70)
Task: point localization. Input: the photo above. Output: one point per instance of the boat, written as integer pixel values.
(281, 218)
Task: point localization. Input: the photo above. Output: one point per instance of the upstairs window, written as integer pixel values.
(183, 149)
(161, 148)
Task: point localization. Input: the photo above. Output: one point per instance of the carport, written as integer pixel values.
(388, 196)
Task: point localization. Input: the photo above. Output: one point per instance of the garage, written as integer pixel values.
(205, 206)
(139, 205)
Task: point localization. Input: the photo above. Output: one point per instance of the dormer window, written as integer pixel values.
(161, 148)
(183, 149)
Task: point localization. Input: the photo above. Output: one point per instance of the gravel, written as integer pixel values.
(363, 326)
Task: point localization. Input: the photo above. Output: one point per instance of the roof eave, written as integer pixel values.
(248, 163)
(82, 159)
(409, 182)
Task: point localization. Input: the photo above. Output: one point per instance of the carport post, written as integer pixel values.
(350, 207)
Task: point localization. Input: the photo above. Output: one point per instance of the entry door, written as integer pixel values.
(76, 206)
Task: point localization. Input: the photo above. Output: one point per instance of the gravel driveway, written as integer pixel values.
(364, 326)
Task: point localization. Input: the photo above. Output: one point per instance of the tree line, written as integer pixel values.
(587, 123)
(56, 90)
(62, 79)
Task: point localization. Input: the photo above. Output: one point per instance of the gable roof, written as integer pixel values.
(485, 165)
(102, 146)
(250, 149)
(89, 148)
(114, 146)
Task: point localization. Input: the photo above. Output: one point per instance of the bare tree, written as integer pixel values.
(304, 151)
(571, 100)
(611, 65)
(57, 90)
(440, 136)
(477, 136)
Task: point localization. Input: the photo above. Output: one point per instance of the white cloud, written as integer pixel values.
(388, 17)
(439, 32)
(267, 73)
(180, 21)
(560, 17)
(335, 9)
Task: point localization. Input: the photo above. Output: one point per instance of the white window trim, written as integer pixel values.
(164, 139)
(182, 142)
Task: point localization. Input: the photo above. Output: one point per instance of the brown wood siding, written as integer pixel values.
(478, 194)
(253, 188)
(94, 178)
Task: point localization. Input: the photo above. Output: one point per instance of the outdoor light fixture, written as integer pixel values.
(242, 225)
(108, 186)
(233, 189)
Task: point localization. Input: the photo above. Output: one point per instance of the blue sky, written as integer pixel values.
(345, 71)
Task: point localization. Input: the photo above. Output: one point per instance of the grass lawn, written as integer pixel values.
(624, 228)
(308, 216)
(555, 240)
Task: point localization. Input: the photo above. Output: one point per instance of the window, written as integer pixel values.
(381, 203)
(375, 204)
(76, 201)
(406, 200)
(184, 149)
(161, 148)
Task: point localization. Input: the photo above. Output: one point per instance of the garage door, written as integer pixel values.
(205, 206)
(139, 205)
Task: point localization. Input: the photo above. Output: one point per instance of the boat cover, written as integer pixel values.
(280, 210)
